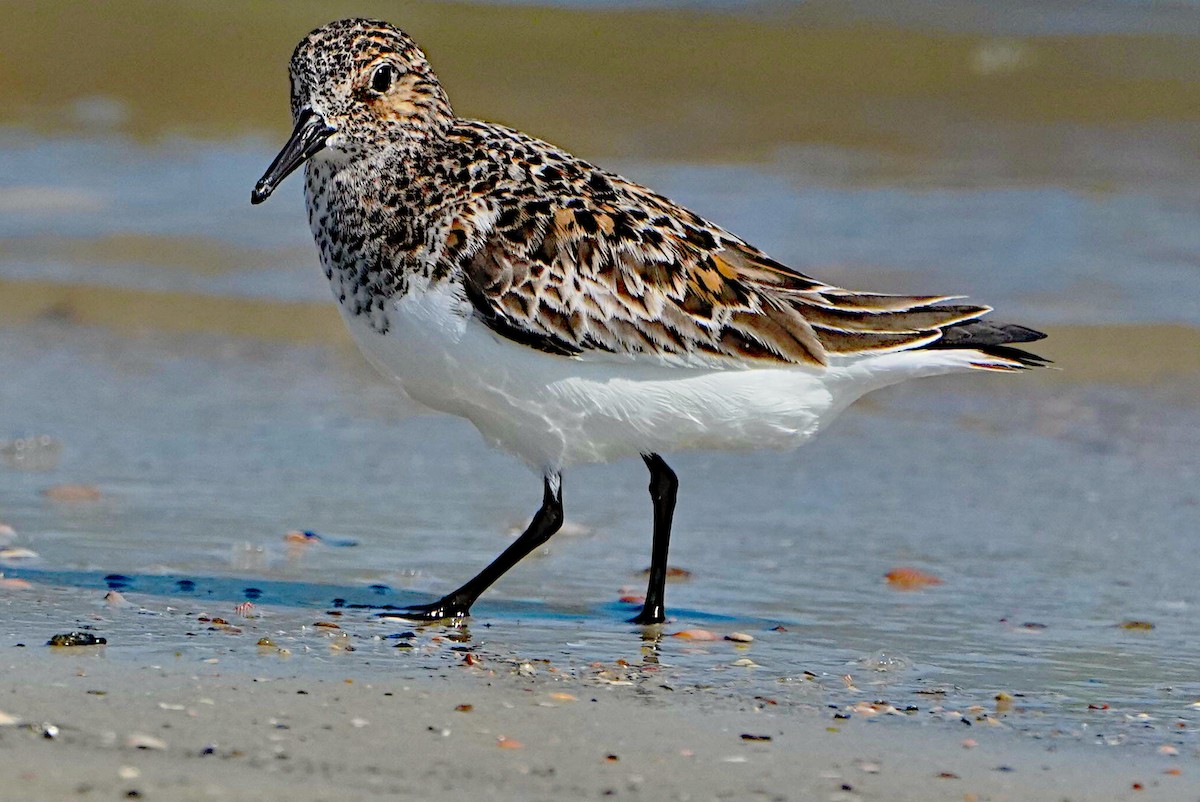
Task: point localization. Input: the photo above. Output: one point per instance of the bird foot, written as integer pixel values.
(648, 617)
(447, 608)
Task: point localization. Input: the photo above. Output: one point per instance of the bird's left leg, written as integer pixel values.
(664, 486)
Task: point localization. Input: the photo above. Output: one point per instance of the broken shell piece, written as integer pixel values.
(694, 634)
(139, 740)
(673, 572)
(739, 637)
(114, 599)
(910, 579)
(72, 493)
(17, 553)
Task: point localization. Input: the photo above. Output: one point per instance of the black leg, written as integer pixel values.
(457, 604)
(663, 488)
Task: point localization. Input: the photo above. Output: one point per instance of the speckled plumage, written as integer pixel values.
(548, 248)
(570, 314)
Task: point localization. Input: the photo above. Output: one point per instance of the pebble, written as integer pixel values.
(76, 639)
(739, 637)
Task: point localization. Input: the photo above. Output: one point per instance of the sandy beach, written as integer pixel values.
(112, 722)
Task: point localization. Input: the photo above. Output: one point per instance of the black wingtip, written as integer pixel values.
(976, 333)
(993, 339)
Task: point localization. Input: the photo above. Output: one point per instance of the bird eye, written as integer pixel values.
(382, 78)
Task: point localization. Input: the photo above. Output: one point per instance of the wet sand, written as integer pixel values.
(645, 82)
(111, 722)
(1121, 353)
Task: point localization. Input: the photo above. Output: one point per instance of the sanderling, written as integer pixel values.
(572, 315)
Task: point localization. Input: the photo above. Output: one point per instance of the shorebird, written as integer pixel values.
(574, 316)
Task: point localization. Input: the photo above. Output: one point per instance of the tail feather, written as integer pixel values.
(993, 340)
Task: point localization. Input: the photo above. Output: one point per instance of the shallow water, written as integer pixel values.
(183, 350)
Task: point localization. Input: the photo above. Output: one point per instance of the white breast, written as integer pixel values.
(553, 411)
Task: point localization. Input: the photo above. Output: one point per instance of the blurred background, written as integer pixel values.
(178, 391)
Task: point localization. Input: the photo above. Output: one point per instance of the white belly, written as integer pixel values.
(554, 411)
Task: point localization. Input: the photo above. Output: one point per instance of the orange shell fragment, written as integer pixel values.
(694, 634)
(910, 579)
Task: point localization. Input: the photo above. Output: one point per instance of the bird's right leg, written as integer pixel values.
(664, 486)
(457, 603)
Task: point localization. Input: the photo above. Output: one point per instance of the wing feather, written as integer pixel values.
(628, 272)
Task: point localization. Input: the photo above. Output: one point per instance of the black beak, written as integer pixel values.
(308, 138)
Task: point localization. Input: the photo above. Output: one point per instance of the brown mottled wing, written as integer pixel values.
(631, 273)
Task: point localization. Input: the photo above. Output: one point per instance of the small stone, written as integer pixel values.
(76, 639)
(739, 637)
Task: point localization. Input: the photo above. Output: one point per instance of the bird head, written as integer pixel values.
(358, 86)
